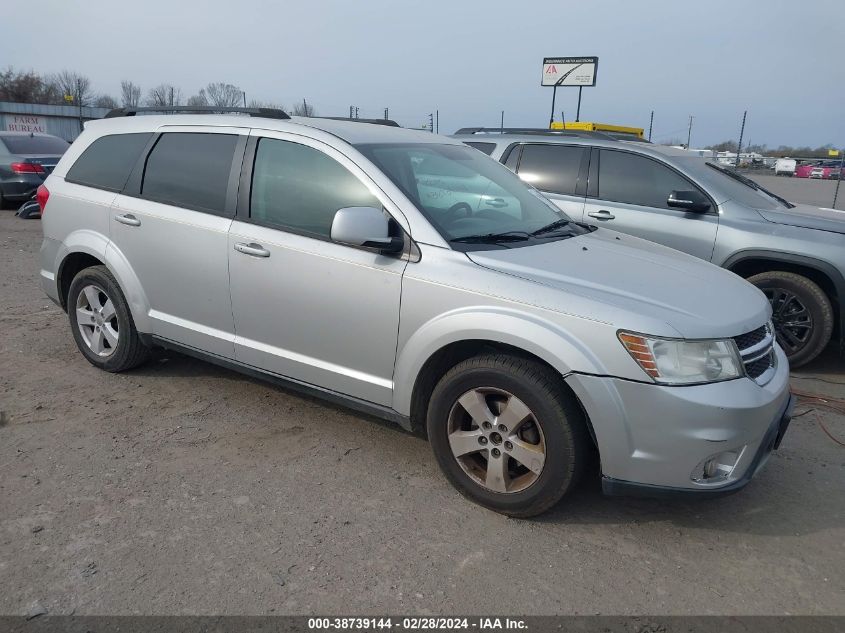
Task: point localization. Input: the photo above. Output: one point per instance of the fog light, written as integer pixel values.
(717, 467)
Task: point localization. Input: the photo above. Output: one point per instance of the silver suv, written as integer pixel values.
(793, 253)
(409, 276)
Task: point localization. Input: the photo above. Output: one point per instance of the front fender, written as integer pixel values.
(535, 335)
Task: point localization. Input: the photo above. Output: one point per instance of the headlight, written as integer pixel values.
(681, 362)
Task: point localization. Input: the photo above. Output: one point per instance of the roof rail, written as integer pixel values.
(267, 113)
(388, 122)
(534, 130)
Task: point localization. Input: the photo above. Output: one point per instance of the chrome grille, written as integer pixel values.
(757, 351)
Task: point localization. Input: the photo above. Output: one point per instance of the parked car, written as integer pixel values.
(785, 167)
(793, 253)
(411, 277)
(26, 158)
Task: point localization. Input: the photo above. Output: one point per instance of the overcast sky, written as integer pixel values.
(782, 60)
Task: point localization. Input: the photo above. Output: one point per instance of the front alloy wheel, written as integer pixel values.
(496, 440)
(507, 433)
(801, 314)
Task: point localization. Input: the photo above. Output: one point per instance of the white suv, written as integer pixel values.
(411, 277)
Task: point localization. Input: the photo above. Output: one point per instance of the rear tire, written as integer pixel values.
(537, 443)
(101, 322)
(801, 313)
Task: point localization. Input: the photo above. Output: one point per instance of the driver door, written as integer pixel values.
(628, 193)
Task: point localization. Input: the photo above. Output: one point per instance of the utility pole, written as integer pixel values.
(79, 102)
(502, 127)
(689, 131)
(356, 112)
(563, 119)
(431, 122)
(741, 132)
(437, 120)
(244, 98)
(304, 108)
(351, 110)
(650, 125)
(386, 114)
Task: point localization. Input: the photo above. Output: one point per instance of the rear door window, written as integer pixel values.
(191, 170)
(632, 179)
(108, 161)
(552, 168)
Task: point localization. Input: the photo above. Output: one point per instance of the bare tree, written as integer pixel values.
(130, 94)
(198, 100)
(74, 85)
(105, 101)
(303, 109)
(27, 87)
(222, 95)
(164, 95)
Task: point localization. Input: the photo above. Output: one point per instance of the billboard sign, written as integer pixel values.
(569, 71)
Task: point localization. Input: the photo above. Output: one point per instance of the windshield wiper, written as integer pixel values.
(557, 224)
(492, 238)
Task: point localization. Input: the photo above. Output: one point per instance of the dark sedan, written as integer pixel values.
(26, 159)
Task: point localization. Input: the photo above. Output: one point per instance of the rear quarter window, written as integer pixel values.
(35, 145)
(487, 148)
(108, 161)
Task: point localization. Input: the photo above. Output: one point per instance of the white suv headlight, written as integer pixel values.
(680, 362)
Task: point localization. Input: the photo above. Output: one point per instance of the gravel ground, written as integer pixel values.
(182, 488)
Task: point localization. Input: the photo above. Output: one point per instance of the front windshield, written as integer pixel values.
(469, 197)
(727, 184)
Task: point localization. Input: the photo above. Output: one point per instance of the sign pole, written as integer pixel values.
(739, 146)
(650, 125)
(838, 180)
(578, 112)
(552, 115)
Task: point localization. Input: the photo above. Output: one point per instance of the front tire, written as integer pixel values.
(506, 434)
(801, 313)
(101, 323)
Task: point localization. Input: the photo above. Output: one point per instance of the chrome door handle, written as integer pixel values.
(601, 215)
(496, 202)
(256, 250)
(128, 220)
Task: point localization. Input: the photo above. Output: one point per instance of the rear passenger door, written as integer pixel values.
(628, 193)
(171, 223)
(559, 171)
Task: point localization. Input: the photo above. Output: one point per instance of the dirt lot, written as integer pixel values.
(184, 488)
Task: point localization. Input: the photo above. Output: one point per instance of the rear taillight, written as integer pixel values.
(42, 195)
(27, 168)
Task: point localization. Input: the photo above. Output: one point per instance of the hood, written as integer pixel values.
(638, 283)
(804, 215)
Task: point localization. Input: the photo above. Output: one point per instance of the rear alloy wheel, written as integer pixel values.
(801, 314)
(506, 433)
(101, 323)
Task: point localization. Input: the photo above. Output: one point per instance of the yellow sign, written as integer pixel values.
(69, 98)
(833, 152)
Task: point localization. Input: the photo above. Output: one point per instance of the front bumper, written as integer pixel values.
(653, 439)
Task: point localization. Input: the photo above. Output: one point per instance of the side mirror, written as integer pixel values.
(365, 227)
(689, 201)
